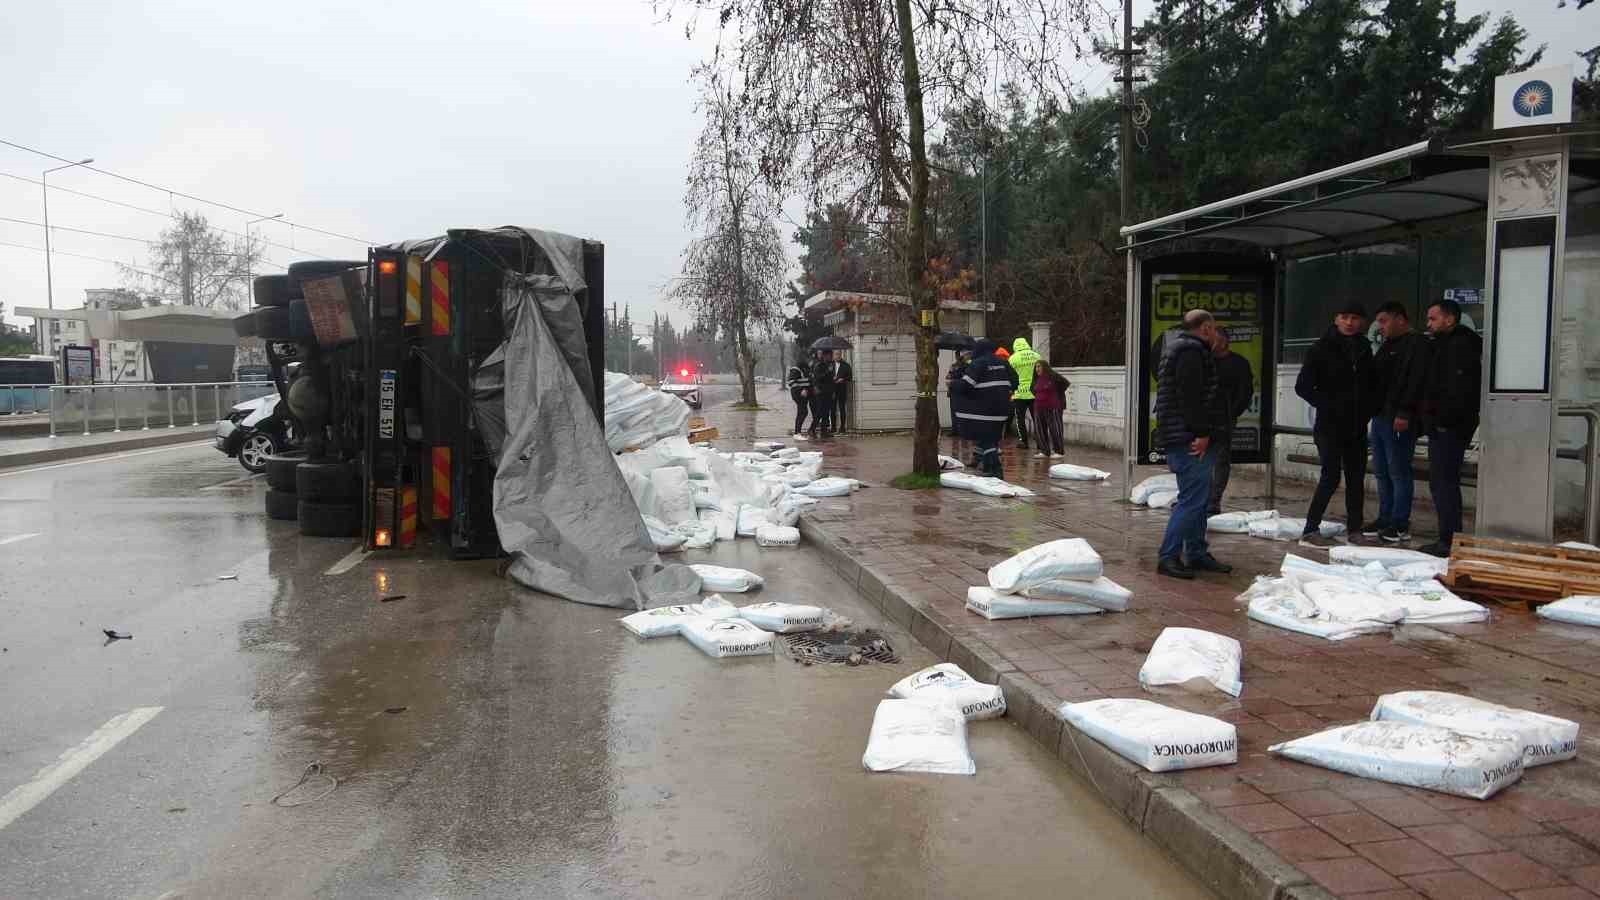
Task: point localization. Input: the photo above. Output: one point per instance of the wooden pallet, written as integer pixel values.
(696, 435)
(1518, 571)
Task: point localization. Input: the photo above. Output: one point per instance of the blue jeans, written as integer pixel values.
(1391, 464)
(1185, 539)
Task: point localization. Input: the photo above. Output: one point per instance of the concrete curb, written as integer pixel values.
(78, 451)
(1221, 855)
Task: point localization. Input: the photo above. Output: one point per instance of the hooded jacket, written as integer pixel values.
(984, 391)
(1186, 389)
(1339, 381)
(1454, 376)
(798, 380)
(1022, 361)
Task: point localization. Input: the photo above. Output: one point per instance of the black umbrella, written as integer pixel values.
(830, 342)
(954, 340)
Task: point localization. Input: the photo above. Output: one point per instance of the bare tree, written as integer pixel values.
(195, 264)
(841, 92)
(734, 273)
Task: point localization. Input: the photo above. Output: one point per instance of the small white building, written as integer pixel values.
(882, 329)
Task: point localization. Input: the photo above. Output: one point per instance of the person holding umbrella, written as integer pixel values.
(824, 383)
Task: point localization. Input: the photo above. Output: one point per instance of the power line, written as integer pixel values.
(121, 237)
(114, 262)
(175, 193)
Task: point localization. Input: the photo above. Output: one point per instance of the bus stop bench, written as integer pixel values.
(1419, 467)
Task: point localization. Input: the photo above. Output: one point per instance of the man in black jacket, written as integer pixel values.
(1185, 408)
(1399, 364)
(984, 390)
(1236, 386)
(822, 373)
(1449, 406)
(798, 381)
(1337, 379)
(843, 378)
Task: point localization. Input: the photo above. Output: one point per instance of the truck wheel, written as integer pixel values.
(280, 470)
(327, 482)
(312, 269)
(272, 323)
(300, 322)
(244, 324)
(329, 519)
(272, 290)
(282, 505)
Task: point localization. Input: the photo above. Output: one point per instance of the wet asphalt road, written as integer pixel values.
(488, 741)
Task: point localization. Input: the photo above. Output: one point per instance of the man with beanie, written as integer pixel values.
(1186, 389)
(1022, 362)
(1338, 380)
(985, 390)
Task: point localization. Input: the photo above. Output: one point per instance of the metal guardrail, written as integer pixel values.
(85, 409)
(21, 399)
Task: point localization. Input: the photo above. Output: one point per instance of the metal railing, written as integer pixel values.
(85, 409)
(21, 399)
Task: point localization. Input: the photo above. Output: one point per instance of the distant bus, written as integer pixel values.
(24, 383)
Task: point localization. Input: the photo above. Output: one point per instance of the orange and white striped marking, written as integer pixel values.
(441, 483)
(439, 297)
(413, 290)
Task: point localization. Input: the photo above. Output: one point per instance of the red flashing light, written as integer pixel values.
(683, 372)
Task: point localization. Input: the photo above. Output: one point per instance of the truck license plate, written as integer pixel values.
(386, 404)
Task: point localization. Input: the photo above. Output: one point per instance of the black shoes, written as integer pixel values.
(1209, 563)
(1374, 529)
(1395, 535)
(1436, 548)
(1172, 568)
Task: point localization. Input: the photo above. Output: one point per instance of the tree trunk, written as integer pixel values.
(743, 363)
(925, 433)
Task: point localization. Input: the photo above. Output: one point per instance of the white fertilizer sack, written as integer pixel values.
(1360, 555)
(1290, 529)
(1180, 655)
(750, 518)
(674, 499)
(1544, 739)
(1431, 603)
(1280, 602)
(950, 462)
(1580, 610)
(1141, 492)
(660, 622)
(767, 447)
(912, 736)
(992, 604)
(947, 684)
(786, 453)
(1159, 738)
(697, 535)
(1422, 756)
(784, 618)
(722, 579)
(1421, 570)
(661, 534)
(727, 637)
(777, 536)
(826, 487)
(1070, 558)
(978, 484)
(1101, 592)
(1070, 472)
(1162, 499)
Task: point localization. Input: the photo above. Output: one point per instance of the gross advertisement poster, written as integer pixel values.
(1242, 308)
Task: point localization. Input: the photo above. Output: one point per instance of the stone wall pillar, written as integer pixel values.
(1041, 339)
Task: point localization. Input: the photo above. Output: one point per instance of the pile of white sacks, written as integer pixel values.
(1161, 491)
(693, 496)
(721, 630)
(1361, 590)
(923, 727)
(1059, 578)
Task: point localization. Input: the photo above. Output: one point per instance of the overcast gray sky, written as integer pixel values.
(382, 121)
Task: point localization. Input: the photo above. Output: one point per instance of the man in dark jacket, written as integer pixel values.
(1449, 407)
(984, 390)
(1236, 387)
(1338, 381)
(1185, 408)
(798, 381)
(843, 377)
(822, 394)
(1399, 365)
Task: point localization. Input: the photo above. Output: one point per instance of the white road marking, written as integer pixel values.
(107, 457)
(351, 560)
(237, 481)
(69, 764)
(19, 538)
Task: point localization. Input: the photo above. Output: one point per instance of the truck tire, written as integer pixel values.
(323, 481)
(244, 324)
(312, 269)
(282, 505)
(300, 323)
(272, 290)
(272, 323)
(329, 519)
(280, 470)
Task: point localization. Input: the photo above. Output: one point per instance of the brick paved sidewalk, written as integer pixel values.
(1236, 826)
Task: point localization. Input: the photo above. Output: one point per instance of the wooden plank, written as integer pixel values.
(1527, 560)
(697, 435)
(1529, 548)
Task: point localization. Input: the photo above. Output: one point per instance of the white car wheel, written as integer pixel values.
(254, 451)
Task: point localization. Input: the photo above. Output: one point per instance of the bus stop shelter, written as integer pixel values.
(1506, 223)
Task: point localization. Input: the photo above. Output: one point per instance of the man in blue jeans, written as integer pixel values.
(1400, 362)
(1186, 389)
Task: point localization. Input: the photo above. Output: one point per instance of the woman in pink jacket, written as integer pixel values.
(1049, 400)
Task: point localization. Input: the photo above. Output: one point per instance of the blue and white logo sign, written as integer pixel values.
(1535, 97)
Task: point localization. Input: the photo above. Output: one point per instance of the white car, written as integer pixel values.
(684, 387)
(252, 431)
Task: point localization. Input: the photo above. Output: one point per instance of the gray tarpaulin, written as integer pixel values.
(561, 505)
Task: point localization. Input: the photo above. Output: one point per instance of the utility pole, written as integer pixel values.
(44, 189)
(1125, 151)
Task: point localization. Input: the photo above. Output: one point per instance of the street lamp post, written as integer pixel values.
(49, 279)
